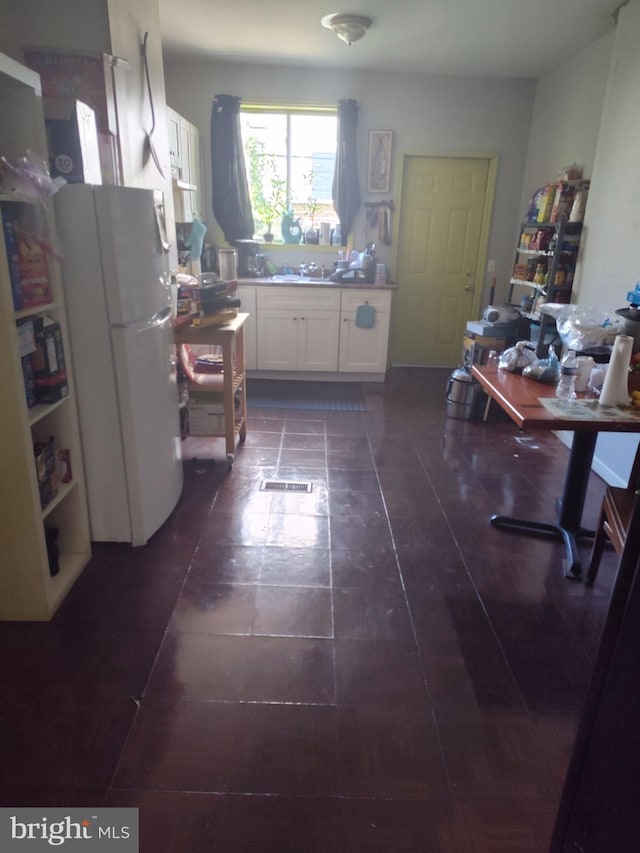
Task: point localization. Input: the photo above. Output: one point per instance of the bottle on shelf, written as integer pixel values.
(540, 274)
(566, 387)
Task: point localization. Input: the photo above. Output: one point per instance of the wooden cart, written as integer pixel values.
(230, 337)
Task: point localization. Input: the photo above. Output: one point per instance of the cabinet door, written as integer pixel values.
(318, 340)
(247, 295)
(277, 339)
(173, 121)
(185, 151)
(363, 350)
(194, 169)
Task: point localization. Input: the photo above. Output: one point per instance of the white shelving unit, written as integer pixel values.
(27, 589)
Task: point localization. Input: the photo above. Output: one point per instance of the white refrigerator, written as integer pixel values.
(117, 294)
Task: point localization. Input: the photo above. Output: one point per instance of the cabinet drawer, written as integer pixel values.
(295, 298)
(380, 299)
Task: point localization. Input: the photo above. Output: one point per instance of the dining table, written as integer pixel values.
(533, 405)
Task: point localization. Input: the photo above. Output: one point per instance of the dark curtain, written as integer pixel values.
(229, 187)
(346, 188)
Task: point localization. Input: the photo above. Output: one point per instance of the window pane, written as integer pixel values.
(294, 173)
(264, 137)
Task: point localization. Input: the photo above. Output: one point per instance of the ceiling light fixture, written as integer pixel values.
(349, 28)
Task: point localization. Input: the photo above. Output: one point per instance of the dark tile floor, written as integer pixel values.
(368, 667)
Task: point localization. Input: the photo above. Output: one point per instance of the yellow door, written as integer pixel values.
(438, 258)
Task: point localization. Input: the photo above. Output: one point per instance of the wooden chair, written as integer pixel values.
(615, 515)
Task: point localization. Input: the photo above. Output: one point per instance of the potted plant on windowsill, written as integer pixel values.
(267, 191)
(312, 206)
(271, 209)
(312, 235)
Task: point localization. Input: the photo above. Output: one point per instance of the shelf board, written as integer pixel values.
(63, 491)
(71, 565)
(543, 253)
(41, 410)
(525, 283)
(34, 310)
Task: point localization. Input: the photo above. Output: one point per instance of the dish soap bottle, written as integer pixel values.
(568, 371)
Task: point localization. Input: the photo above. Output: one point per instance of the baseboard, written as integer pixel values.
(315, 376)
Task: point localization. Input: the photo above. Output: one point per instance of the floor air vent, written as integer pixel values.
(284, 486)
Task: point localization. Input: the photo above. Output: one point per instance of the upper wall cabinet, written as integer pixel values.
(184, 156)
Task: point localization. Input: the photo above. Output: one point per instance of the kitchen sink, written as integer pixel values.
(299, 279)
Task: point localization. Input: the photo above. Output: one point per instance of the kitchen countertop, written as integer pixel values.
(286, 281)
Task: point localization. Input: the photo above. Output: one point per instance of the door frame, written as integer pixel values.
(485, 227)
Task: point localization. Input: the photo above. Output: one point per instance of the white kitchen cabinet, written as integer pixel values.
(247, 295)
(364, 350)
(28, 591)
(297, 328)
(173, 121)
(184, 156)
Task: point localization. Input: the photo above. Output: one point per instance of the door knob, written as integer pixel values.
(470, 287)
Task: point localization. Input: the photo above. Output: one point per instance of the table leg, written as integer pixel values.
(569, 525)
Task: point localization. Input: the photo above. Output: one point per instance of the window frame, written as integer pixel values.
(290, 110)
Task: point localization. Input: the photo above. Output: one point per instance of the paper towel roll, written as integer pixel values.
(615, 390)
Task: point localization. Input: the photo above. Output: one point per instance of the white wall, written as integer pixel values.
(610, 261)
(70, 25)
(425, 112)
(591, 102)
(566, 116)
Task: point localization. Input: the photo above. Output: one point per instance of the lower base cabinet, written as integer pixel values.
(364, 349)
(318, 329)
(297, 340)
(297, 328)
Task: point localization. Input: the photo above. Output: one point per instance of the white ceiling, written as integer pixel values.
(492, 38)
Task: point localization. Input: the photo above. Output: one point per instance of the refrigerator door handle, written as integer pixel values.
(158, 319)
(161, 222)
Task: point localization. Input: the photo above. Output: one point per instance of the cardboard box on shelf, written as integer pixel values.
(88, 77)
(204, 421)
(480, 328)
(206, 412)
(45, 461)
(48, 357)
(475, 349)
(72, 139)
(546, 203)
(28, 267)
(29, 381)
(563, 201)
(50, 389)
(71, 74)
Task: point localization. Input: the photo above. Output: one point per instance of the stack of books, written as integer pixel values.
(217, 303)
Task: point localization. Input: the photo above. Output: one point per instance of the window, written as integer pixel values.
(290, 157)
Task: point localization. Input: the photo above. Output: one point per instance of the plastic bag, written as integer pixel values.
(516, 358)
(27, 178)
(544, 369)
(583, 326)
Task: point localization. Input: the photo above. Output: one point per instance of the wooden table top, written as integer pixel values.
(520, 399)
(185, 334)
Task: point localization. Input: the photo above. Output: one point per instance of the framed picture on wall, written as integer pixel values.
(379, 164)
